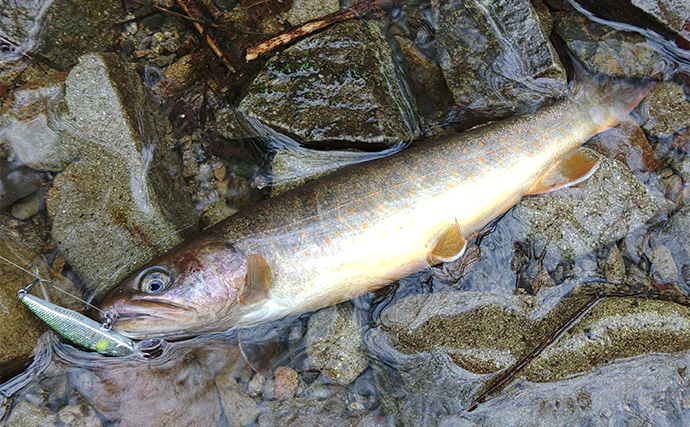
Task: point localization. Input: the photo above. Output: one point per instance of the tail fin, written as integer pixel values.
(607, 99)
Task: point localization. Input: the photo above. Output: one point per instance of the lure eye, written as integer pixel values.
(153, 280)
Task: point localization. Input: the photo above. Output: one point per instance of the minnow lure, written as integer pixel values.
(78, 328)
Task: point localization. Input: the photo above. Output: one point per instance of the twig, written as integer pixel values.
(191, 9)
(515, 369)
(360, 9)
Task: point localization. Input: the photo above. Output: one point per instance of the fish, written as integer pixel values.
(367, 225)
(80, 329)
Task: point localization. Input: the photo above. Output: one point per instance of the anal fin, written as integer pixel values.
(571, 170)
(448, 245)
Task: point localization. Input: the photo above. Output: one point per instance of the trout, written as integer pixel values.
(367, 225)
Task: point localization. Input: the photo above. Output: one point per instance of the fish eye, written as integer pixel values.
(154, 279)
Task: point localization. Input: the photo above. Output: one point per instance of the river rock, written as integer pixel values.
(20, 327)
(605, 50)
(306, 10)
(663, 16)
(674, 237)
(16, 182)
(339, 87)
(28, 206)
(122, 201)
(31, 122)
(19, 29)
(334, 343)
(627, 143)
(560, 227)
(240, 409)
(27, 414)
(665, 110)
(495, 55)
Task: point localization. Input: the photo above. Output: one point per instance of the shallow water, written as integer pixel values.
(418, 352)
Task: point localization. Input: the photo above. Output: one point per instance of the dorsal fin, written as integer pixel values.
(258, 281)
(572, 170)
(448, 245)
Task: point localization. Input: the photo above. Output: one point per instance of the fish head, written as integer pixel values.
(188, 291)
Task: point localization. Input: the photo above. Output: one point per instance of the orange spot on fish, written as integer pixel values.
(392, 196)
(481, 159)
(294, 249)
(450, 185)
(337, 233)
(545, 138)
(537, 144)
(328, 240)
(411, 192)
(491, 151)
(424, 177)
(502, 139)
(399, 185)
(361, 199)
(379, 207)
(340, 218)
(440, 171)
(531, 153)
(364, 226)
(459, 162)
(407, 206)
(305, 252)
(456, 172)
(443, 160)
(500, 159)
(524, 140)
(352, 227)
(531, 131)
(395, 210)
(465, 150)
(517, 148)
(560, 129)
(470, 176)
(569, 122)
(481, 143)
(325, 224)
(352, 211)
(304, 234)
(367, 213)
(505, 150)
(469, 162)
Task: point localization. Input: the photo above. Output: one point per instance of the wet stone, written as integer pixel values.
(122, 194)
(664, 268)
(339, 87)
(31, 122)
(518, 68)
(16, 182)
(78, 416)
(674, 236)
(239, 408)
(627, 143)
(663, 16)
(426, 80)
(27, 414)
(615, 328)
(28, 206)
(306, 10)
(604, 50)
(665, 110)
(334, 343)
(286, 381)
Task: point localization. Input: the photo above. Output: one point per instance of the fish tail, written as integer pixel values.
(607, 99)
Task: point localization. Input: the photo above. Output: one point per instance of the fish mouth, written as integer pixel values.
(148, 312)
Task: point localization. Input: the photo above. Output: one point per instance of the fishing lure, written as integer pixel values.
(78, 328)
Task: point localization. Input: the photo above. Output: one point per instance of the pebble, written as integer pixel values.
(286, 381)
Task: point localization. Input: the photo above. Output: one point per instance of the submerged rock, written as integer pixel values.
(339, 87)
(306, 10)
(16, 182)
(496, 57)
(240, 409)
(122, 201)
(663, 16)
(334, 343)
(665, 110)
(436, 352)
(607, 51)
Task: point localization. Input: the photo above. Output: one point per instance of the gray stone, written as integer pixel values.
(31, 122)
(20, 24)
(27, 414)
(306, 10)
(337, 87)
(256, 385)
(605, 50)
(664, 268)
(29, 205)
(82, 415)
(16, 182)
(21, 329)
(240, 409)
(665, 110)
(496, 57)
(123, 195)
(334, 343)
(675, 237)
(663, 16)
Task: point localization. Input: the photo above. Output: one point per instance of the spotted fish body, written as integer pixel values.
(367, 225)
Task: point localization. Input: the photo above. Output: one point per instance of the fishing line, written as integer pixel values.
(109, 315)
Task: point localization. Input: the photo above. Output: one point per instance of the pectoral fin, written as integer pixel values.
(448, 245)
(258, 281)
(572, 170)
